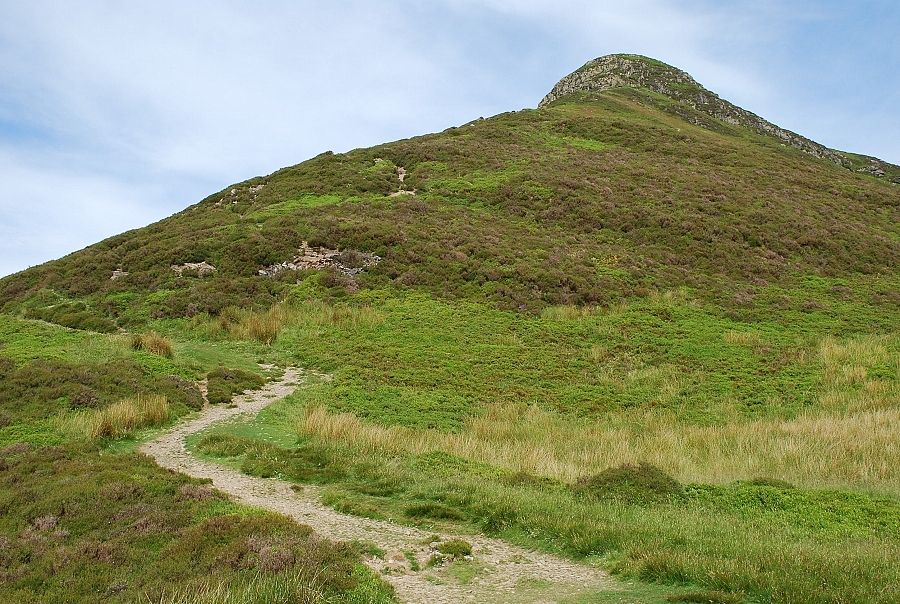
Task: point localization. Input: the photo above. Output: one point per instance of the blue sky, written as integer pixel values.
(116, 114)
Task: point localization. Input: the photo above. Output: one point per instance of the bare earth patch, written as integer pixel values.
(500, 572)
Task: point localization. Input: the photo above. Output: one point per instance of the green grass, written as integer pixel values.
(719, 533)
(769, 541)
(430, 364)
(292, 205)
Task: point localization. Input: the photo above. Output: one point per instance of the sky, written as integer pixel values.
(115, 114)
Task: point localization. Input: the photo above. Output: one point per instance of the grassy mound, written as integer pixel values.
(223, 384)
(634, 483)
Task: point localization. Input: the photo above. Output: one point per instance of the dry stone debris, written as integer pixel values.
(201, 268)
(316, 258)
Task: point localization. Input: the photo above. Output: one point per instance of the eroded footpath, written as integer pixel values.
(501, 572)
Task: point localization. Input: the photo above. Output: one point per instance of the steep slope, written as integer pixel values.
(600, 195)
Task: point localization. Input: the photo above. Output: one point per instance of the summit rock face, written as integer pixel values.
(636, 71)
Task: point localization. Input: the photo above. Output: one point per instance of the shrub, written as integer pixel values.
(138, 533)
(176, 388)
(197, 492)
(641, 483)
(455, 548)
(153, 343)
(75, 315)
(450, 550)
(222, 384)
(43, 388)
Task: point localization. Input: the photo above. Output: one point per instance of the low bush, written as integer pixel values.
(223, 384)
(75, 315)
(170, 538)
(455, 548)
(44, 388)
(641, 483)
(449, 551)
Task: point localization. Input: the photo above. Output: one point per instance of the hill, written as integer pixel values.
(637, 326)
(589, 200)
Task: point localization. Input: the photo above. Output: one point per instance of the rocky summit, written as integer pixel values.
(636, 71)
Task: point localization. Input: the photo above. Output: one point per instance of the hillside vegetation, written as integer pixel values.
(616, 328)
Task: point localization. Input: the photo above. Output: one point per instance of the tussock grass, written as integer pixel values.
(742, 338)
(862, 446)
(119, 419)
(283, 588)
(264, 326)
(153, 343)
(855, 420)
(846, 364)
(565, 313)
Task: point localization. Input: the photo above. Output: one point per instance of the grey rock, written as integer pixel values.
(635, 71)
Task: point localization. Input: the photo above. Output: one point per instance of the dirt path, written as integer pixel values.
(499, 572)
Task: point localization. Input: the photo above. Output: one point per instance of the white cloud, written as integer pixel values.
(48, 212)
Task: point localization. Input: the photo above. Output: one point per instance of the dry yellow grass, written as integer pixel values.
(120, 418)
(565, 313)
(743, 338)
(857, 449)
(851, 438)
(153, 343)
(264, 326)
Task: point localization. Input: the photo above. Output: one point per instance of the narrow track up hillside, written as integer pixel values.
(501, 572)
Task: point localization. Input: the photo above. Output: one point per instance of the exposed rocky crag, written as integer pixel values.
(349, 262)
(635, 71)
(200, 269)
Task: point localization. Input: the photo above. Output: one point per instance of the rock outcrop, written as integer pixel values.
(201, 269)
(635, 71)
(349, 262)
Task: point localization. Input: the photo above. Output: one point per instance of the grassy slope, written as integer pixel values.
(587, 202)
(492, 416)
(743, 318)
